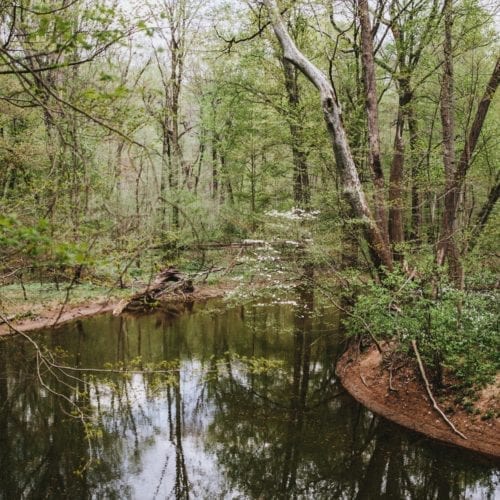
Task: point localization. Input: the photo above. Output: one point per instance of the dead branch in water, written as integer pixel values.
(429, 392)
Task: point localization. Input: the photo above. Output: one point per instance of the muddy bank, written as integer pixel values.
(52, 317)
(408, 405)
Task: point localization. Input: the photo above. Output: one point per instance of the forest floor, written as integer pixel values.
(407, 404)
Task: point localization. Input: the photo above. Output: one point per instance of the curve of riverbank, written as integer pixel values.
(407, 404)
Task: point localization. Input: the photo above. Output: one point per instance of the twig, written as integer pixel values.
(41, 359)
(233, 263)
(391, 388)
(429, 392)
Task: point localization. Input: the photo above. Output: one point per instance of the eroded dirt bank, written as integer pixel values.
(408, 405)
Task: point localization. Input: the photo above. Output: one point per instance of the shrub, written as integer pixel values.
(455, 330)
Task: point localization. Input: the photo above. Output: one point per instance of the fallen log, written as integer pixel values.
(168, 281)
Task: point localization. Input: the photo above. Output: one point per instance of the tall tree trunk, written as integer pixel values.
(371, 98)
(226, 179)
(253, 188)
(396, 183)
(165, 166)
(475, 130)
(416, 195)
(301, 191)
(447, 247)
(199, 162)
(215, 174)
(484, 214)
(351, 185)
(396, 233)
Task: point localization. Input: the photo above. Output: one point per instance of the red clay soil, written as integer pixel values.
(72, 312)
(364, 377)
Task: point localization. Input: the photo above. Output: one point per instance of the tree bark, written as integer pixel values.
(215, 170)
(447, 247)
(351, 185)
(416, 195)
(396, 233)
(371, 100)
(475, 130)
(301, 191)
(484, 214)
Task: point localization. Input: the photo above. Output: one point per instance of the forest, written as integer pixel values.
(255, 149)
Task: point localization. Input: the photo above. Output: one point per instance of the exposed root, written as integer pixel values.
(391, 388)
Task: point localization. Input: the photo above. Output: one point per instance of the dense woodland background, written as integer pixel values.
(330, 166)
(133, 136)
(127, 127)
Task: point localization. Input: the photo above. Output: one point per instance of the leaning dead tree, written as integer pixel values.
(352, 190)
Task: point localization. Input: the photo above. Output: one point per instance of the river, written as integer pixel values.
(244, 404)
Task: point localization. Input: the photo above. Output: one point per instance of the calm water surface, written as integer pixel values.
(247, 406)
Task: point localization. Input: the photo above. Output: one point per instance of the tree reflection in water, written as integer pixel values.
(221, 424)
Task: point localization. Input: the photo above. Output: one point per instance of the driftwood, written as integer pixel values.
(170, 280)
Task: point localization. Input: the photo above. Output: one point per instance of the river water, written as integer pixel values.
(244, 404)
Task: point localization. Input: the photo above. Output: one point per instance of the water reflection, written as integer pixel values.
(247, 407)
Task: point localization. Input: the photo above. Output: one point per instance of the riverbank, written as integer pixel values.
(402, 399)
(36, 315)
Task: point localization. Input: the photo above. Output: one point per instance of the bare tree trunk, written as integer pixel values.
(201, 155)
(253, 188)
(396, 233)
(447, 247)
(351, 185)
(301, 191)
(370, 87)
(226, 179)
(215, 178)
(215, 173)
(165, 167)
(416, 196)
(475, 130)
(455, 179)
(175, 164)
(178, 15)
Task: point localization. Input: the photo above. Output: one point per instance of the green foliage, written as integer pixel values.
(456, 331)
(16, 237)
(34, 241)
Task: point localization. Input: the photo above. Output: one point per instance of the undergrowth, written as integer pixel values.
(456, 331)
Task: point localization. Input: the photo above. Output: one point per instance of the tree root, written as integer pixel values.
(429, 392)
(391, 388)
